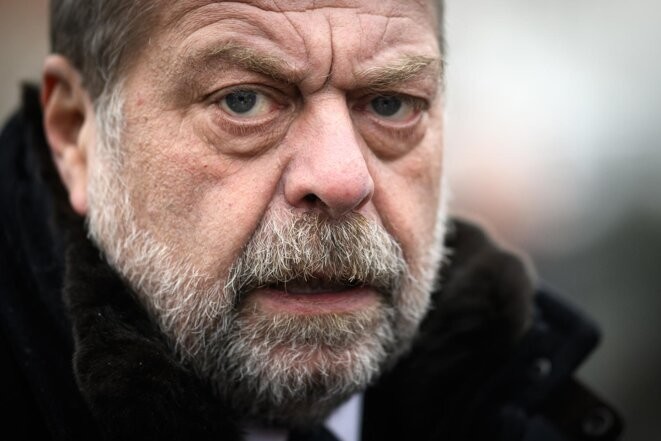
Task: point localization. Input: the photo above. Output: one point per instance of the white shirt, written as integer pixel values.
(344, 422)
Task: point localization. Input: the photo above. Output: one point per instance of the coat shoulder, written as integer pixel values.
(495, 359)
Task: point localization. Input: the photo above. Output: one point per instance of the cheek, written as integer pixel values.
(203, 204)
(407, 197)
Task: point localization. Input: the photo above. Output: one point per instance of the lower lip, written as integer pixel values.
(276, 300)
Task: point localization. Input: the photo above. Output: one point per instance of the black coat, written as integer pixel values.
(80, 359)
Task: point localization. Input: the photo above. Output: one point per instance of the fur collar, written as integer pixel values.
(135, 388)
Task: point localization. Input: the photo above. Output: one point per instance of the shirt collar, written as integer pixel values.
(345, 423)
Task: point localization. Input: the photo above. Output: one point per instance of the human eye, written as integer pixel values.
(394, 108)
(254, 113)
(392, 123)
(247, 103)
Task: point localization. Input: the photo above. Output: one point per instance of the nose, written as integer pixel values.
(328, 171)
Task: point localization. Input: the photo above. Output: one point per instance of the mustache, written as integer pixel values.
(312, 248)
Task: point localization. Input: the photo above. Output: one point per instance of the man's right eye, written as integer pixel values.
(247, 103)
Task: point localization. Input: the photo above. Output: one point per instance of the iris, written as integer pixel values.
(241, 101)
(386, 105)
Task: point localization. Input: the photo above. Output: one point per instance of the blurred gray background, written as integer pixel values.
(553, 141)
(553, 145)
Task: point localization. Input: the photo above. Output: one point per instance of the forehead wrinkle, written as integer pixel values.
(408, 68)
(213, 57)
(193, 73)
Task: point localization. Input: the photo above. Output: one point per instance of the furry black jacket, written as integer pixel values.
(80, 359)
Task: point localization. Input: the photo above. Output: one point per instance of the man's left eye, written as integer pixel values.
(392, 107)
(246, 103)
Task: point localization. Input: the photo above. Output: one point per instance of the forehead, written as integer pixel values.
(419, 9)
(324, 37)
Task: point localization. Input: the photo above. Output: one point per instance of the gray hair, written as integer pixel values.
(98, 36)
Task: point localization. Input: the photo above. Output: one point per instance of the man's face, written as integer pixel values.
(275, 200)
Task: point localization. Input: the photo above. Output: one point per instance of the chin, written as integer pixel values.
(284, 369)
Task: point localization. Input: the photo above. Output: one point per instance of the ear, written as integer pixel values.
(70, 126)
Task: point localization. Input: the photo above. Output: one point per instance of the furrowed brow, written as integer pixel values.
(196, 64)
(406, 69)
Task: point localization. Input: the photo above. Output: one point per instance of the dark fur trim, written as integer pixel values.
(135, 387)
(476, 320)
(125, 370)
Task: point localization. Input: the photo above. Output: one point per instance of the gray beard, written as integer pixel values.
(289, 369)
(282, 369)
(294, 371)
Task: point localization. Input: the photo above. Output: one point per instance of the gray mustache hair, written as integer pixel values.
(312, 247)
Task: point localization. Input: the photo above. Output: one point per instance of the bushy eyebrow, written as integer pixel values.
(212, 59)
(408, 68)
(196, 64)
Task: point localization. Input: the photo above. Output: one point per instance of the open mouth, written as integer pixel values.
(314, 296)
(314, 286)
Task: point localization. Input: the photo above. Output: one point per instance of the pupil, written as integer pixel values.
(386, 105)
(242, 101)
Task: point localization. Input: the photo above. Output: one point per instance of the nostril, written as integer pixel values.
(311, 198)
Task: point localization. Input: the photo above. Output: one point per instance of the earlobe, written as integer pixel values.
(69, 124)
